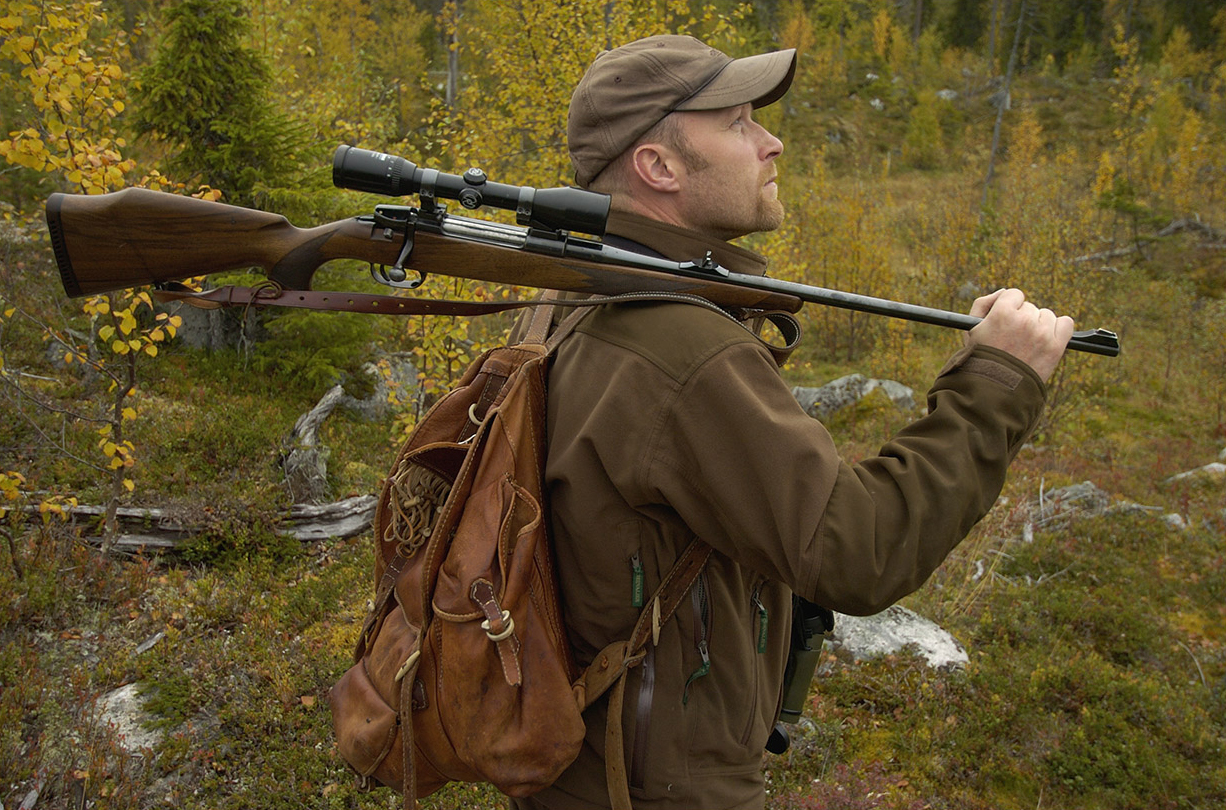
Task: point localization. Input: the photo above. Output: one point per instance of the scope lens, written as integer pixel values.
(373, 172)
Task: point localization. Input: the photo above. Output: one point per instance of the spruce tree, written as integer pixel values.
(206, 95)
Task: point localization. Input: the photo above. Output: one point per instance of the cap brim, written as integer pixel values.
(759, 80)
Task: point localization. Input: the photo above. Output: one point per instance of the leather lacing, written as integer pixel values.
(416, 495)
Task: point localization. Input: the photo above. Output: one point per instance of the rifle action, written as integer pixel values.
(137, 236)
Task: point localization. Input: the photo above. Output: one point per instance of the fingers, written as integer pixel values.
(1062, 326)
(1036, 336)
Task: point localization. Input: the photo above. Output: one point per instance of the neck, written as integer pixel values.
(681, 244)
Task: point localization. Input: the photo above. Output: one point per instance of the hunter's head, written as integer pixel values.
(665, 125)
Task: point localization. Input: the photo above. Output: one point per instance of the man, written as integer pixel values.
(669, 422)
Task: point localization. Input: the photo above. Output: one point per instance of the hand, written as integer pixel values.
(1035, 336)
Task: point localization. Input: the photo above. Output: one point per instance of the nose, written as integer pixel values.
(770, 146)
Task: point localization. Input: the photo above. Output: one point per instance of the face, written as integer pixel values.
(731, 191)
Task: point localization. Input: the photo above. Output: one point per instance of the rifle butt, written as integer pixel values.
(63, 261)
(138, 236)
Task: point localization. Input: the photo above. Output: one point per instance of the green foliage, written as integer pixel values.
(521, 61)
(315, 349)
(967, 23)
(924, 144)
(206, 95)
(351, 71)
(219, 449)
(1077, 691)
(171, 699)
(233, 538)
(839, 243)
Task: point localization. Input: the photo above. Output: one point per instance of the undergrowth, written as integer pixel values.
(1097, 675)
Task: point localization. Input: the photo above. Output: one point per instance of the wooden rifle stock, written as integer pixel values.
(137, 236)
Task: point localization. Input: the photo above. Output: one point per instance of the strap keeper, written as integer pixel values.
(509, 628)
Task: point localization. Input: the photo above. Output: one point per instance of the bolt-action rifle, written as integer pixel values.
(137, 236)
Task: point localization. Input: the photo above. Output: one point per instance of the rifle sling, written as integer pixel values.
(272, 294)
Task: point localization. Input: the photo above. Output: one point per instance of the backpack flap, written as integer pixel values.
(366, 700)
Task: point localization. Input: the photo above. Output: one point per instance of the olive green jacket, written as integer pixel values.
(669, 422)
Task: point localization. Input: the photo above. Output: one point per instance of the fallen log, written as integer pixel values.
(151, 528)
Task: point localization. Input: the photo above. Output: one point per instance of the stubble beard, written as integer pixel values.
(728, 214)
(733, 215)
(770, 214)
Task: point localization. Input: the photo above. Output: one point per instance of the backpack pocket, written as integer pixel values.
(366, 728)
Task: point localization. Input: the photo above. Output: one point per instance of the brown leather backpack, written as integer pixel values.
(463, 671)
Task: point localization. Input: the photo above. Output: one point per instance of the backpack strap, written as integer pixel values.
(612, 665)
(541, 320)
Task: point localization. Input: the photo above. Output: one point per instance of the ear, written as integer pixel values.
(657, 167)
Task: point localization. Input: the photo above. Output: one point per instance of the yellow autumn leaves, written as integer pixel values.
(73, 83)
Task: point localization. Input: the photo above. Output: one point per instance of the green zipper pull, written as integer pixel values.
(763, 623)
(636, 581)
(703, 669)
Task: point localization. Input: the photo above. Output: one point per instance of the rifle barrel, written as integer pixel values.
(1092, 341)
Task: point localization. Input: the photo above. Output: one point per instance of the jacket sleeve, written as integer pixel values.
(892, 519)
(762, 482)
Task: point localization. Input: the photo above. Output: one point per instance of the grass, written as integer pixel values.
(1098, 655)
(1080, 692)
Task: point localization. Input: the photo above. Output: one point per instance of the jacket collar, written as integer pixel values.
(680, 244)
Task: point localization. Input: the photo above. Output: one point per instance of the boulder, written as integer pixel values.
(1210, 472)
(821, 402)
(857, 638)
(123, 711)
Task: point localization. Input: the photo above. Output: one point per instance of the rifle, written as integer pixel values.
(137, 236)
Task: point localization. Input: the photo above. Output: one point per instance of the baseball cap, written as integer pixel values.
(628, 90)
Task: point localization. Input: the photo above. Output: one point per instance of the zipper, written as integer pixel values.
(763, 618)
(702, 632)
(638, 752)
(763, 622)
(636, 580)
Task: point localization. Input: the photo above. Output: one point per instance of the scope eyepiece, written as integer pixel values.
(565, 209)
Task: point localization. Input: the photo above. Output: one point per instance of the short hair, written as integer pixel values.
(668, 132)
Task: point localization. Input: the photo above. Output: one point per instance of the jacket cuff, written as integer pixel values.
(997, 365)
(999, 384)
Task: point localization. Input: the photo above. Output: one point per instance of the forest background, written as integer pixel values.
(935, 149)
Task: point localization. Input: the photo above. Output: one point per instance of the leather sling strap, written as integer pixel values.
(612, 665)
(271, 294)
